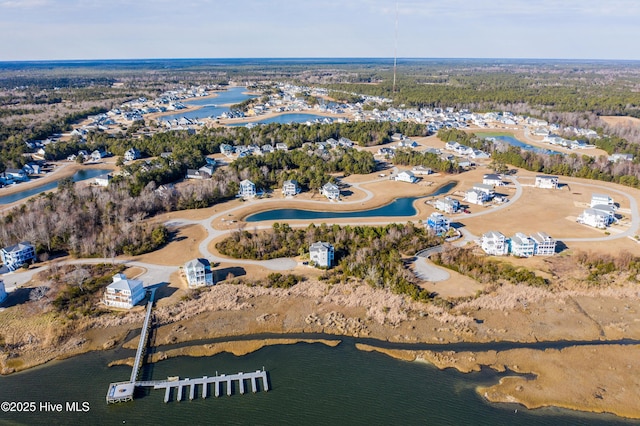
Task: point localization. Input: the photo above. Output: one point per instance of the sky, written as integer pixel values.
(131, 29)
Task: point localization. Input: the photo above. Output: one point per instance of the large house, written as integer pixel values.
(247, 189)
(421, 170)
(438, 223)
(494, 243)
(601, 199)
(123, 293)
(103, 180)
(475, 196)
(544, 244)
(198, 273)
(131, 154)
(492, 179)
(290, 188)
(3, 292)
(595, 218)
(522, 246)
(331, 191)
(17, 255)
(321, 254)
(548, 182)
(447, 205)
(406, 176)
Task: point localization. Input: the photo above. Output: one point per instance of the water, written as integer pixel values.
(310, 384)
(515, 142)
(285, 119)
(212, 107)
(77, 177)
(400, 207)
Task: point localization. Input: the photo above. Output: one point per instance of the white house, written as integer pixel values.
(447, 205)
(103, 180)
(494, 243)
(282, 146)
(547, 182)
(492, 179)
(321, 254)
(438, 223)
(131, 154)
(123, 293)
(198, 273)
(421, 170)
(406, 176)
(3, 292)
(601, 199)
(475, 196)
(331, 191)
(290, 188)
(98, 154)
(544, 244)
(522, 246)
(17, 255)
(614, 158)
(247, 189)
(595, 218)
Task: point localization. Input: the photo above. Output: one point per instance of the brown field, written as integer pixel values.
(621, 121)
(184, 247)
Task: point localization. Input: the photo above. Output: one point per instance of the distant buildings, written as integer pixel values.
(17, 255)
(198, 273)
(321, 254)
(123, 293)
(520, 245)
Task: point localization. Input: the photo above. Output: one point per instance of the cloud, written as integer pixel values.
(24, 4)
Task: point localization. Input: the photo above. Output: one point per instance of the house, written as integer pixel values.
(282, 146)
(98, 154)
(438, 223)
(522, 246)
(331, 191)
(17, 255)
(290, 188)
(494, 243)
(451, 146)
(32, 169)
(487, 189)
(544, 244)
(198, 273)
(206, 171)
(609, 210)
(17, 175)
(475, 196)
(447, 205)
(103, 180)
(614, 158)
(247, 189)
(421, 170)
(547, 182)
(3, 292)
(227, 149)
(131, 154)
(406, 176)
(492, 179)
(193, 174)
(123, 293)
(397, 137)
(321, 254)
(601, 199)
(267, 148)
(595, 218)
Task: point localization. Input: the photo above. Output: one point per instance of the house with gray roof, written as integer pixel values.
(123, 293)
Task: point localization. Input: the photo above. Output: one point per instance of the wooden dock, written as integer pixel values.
(228, 382)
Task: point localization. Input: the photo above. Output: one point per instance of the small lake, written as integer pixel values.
(212, 107)
(285, 119)
(515, 142)
(77, 177)
(400, 207)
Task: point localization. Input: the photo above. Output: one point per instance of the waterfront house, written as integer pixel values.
(544, 244)
(247, 189)
(123, 293)
(601, 199)
(438, 223)
(447, 205)
(321, 254)
(17, 255)
(522, 246)
(131, 154)
(547, 182)
(406, 176)
(103, 180)
(595, 218)
(492, 179)
(331, 191)
(198, 273)
(494, 243)
(290, 188)
(3, 292)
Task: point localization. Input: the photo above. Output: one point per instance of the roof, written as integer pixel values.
(493, 234)
(120, 282)
(541, 236)
(330, 187)
(320, 246)
(546, 177)
(246, 182)
(25, 245)
(195, 263)
(520, 238)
